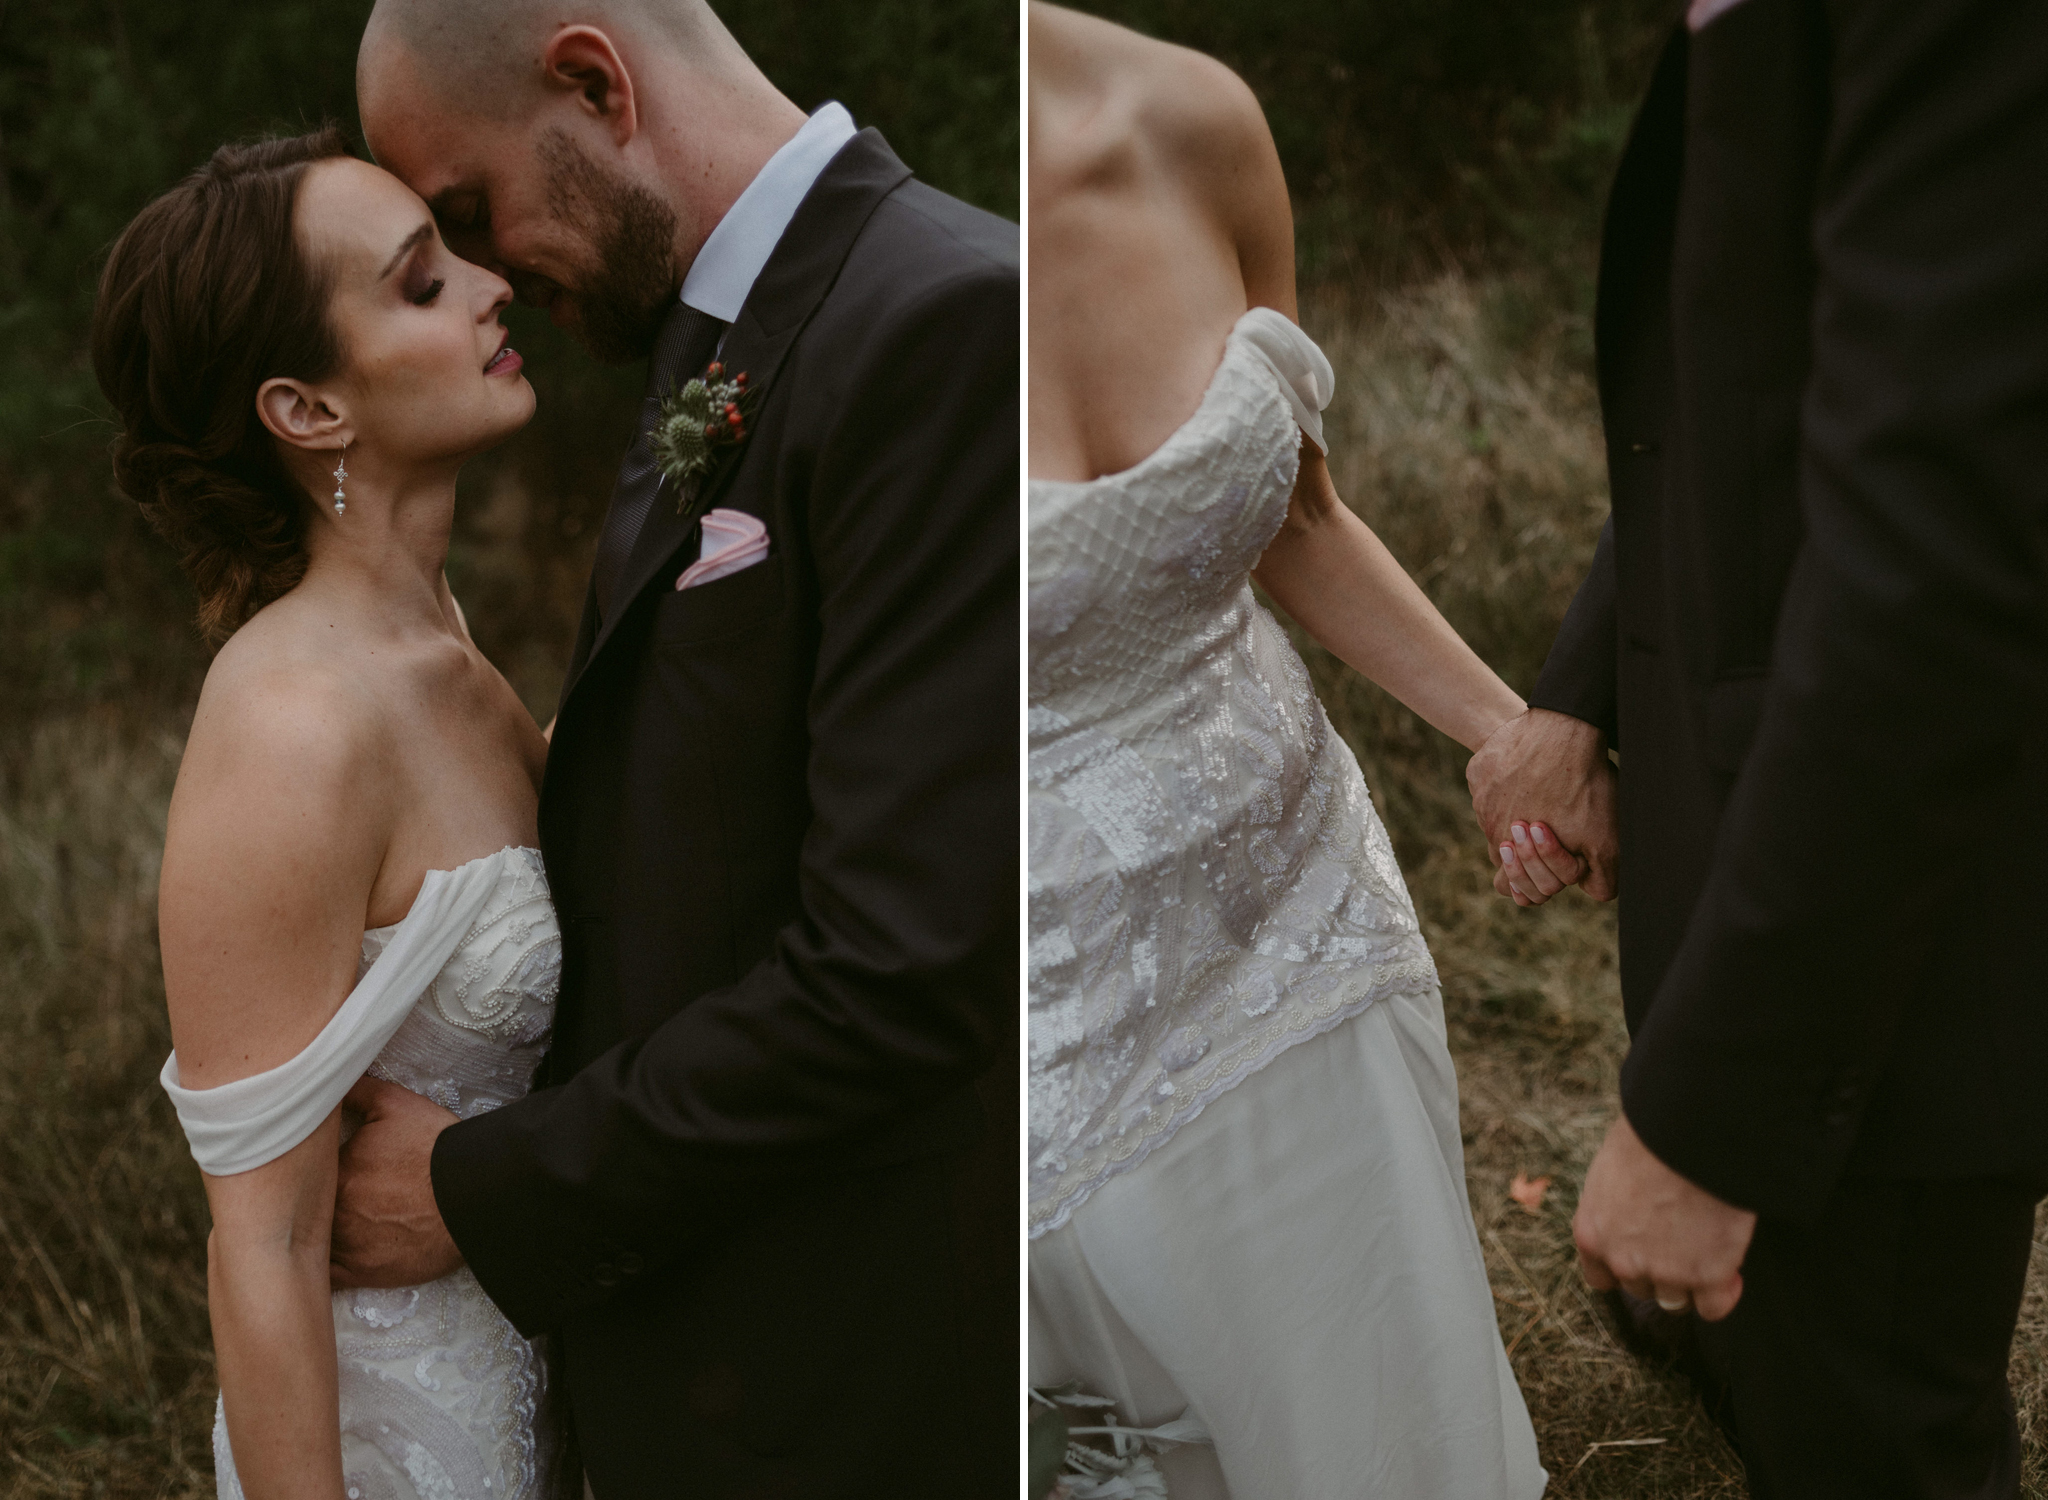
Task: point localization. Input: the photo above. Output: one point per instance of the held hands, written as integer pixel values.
(387, 1229)
(1542, 788)
(1644, 1228)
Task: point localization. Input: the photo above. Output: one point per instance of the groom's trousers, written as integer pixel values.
(1867, 1357)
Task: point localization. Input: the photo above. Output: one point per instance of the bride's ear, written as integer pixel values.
(298, 415)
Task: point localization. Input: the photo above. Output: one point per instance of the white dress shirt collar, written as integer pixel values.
(739, 246)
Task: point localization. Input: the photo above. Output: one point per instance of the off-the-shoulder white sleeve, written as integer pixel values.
(239, 1126)
(1306, 378)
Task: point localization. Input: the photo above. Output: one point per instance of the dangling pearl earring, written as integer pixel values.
(340, 473)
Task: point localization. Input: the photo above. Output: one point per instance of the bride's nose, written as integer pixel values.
(494, 294)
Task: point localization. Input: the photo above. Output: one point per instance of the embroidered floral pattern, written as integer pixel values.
(1209, 884)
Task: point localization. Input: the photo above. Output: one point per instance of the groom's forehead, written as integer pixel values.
(435, 155)
(413, 129)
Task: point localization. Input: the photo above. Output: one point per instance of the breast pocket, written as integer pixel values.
(729, 606)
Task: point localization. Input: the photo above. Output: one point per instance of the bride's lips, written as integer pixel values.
(505, 362)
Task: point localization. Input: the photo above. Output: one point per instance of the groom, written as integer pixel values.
(1817, 631)
(755, 1198)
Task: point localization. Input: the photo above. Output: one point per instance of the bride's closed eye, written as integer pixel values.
(420, 289)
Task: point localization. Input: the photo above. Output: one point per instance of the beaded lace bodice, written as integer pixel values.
(441, 1398)
(1209, 883)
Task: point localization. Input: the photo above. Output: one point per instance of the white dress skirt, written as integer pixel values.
(1247, 1198)
(1298, 1268)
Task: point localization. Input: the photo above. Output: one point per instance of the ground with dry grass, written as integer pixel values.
(1465, 432)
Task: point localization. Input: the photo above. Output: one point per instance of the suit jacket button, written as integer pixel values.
(630, 1264)
(607, 1273)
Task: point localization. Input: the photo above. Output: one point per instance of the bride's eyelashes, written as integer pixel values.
(420, 291)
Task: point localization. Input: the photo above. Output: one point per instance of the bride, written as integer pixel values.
(300, 368)
(1246, 1175)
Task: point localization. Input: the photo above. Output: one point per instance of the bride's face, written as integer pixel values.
(427, 376)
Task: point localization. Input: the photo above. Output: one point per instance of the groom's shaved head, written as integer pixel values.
(584, 149)
(485, 55)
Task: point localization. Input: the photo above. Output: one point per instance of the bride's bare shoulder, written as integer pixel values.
(1116, 89)
(1147, 113)
(281, 718)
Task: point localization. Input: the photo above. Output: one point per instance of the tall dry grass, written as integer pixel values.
(1466, 433)
(106, 1369)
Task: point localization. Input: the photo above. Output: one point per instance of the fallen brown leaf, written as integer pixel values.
(1528, 1192)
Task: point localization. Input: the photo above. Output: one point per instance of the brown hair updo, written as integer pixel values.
(206, 295)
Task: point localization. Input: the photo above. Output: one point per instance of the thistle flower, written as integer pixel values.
(698, 417)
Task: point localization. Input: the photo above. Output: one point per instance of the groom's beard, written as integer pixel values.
(620, 305)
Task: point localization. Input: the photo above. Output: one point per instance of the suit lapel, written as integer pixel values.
(791, 285)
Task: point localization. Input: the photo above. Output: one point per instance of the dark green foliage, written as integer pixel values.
(1421, 133)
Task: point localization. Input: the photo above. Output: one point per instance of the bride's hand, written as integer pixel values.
(1534, 866)
(1549, 770)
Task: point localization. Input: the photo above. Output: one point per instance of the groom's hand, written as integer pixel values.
(1656, 1234)
(387, 1228)
(1550, 769)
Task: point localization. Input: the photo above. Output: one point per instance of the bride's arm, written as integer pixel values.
(273, 1331)
(1328, 570)
(276, 833)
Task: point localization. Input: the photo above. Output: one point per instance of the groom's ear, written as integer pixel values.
(583, 61)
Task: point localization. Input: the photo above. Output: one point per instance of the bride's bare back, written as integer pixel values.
(1158, 215)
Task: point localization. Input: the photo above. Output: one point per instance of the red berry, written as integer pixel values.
(734, 419)
(711, 429)
(716, 370)
(740, 379)
(731, 410)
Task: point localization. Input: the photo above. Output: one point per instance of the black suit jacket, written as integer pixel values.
(1815, 624)
(780, 825)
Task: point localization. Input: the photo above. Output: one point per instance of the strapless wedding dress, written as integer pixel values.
(1209, 882)
(441, 1398)
(1247, 1182)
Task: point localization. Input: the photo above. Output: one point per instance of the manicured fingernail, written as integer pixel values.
(1507, 853)
(1520, 832)
(1539, 835)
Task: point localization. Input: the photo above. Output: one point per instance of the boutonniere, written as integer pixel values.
(698, 418)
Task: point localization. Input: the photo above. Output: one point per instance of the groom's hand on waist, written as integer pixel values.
(1656, 1234)
(1543, 791)
(387, 1227)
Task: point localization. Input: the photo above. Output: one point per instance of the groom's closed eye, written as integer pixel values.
(463, 214)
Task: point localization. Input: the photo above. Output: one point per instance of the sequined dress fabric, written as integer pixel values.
(1209, 883)
(441, 1398)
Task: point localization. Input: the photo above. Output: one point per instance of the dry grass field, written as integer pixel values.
(1464, 431)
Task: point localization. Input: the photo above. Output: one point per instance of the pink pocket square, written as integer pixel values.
(732, 540)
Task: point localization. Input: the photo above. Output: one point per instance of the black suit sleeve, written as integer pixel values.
(1910, 660)
(1578, 676)
(897, 985)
